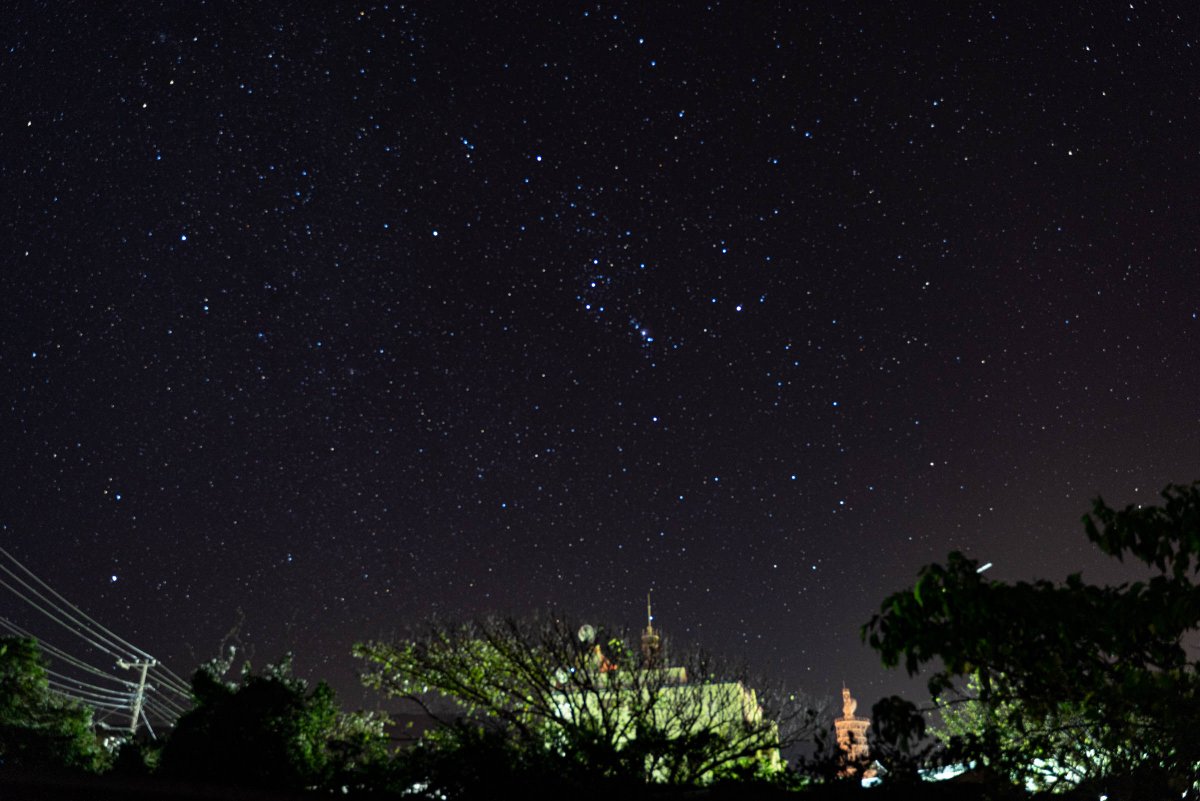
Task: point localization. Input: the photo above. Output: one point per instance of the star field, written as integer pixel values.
(329, 319)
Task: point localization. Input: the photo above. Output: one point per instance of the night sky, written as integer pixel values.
(329, 318)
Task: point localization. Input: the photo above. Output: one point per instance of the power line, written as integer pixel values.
(75, 626)
(156, 703)
(79, 695)
(78, 611)
(106, 708)
(165, 700)
(166, 678)
(163, 713)
(47, 647)
(185, 684)
(64, 677)
(166, 685)
(170, 681)
(51, 615)
(52, 649)
(139, 697)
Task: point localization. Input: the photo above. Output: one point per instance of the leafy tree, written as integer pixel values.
(269, 730)
(1059, 752)
(1075, 685)
(39, 728)
(592, 706)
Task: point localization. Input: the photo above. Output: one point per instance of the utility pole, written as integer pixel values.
(139, 696)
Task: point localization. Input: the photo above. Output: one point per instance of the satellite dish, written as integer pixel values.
(587, 632)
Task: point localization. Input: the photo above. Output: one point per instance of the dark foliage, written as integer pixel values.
(1078, 685)
(269, 731)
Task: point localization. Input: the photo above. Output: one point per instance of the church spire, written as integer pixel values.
(651, 641)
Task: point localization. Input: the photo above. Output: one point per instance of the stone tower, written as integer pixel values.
(852, 736)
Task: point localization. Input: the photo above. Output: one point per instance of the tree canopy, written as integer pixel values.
(268, 730)
(39, 728)
(590, 702)
(1090, 686)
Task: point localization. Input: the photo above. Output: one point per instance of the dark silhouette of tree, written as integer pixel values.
(1087, 686)
(269, 730)
(590, 706)
(38, 728)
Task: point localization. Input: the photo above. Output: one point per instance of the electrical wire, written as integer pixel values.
(102, 718)
(167, 687)
(183, 683)
(175, 675)
(76, 626)
(91, 702)
(166, 678)
(53, 650)
(81, 695)
(65, 677)
(168, 703)
(51, 615)
(160, 711)
(133, 648)
(165, 692)
(105, 710)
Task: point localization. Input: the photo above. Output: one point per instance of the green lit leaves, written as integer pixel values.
(596, 704)
(39, 729)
